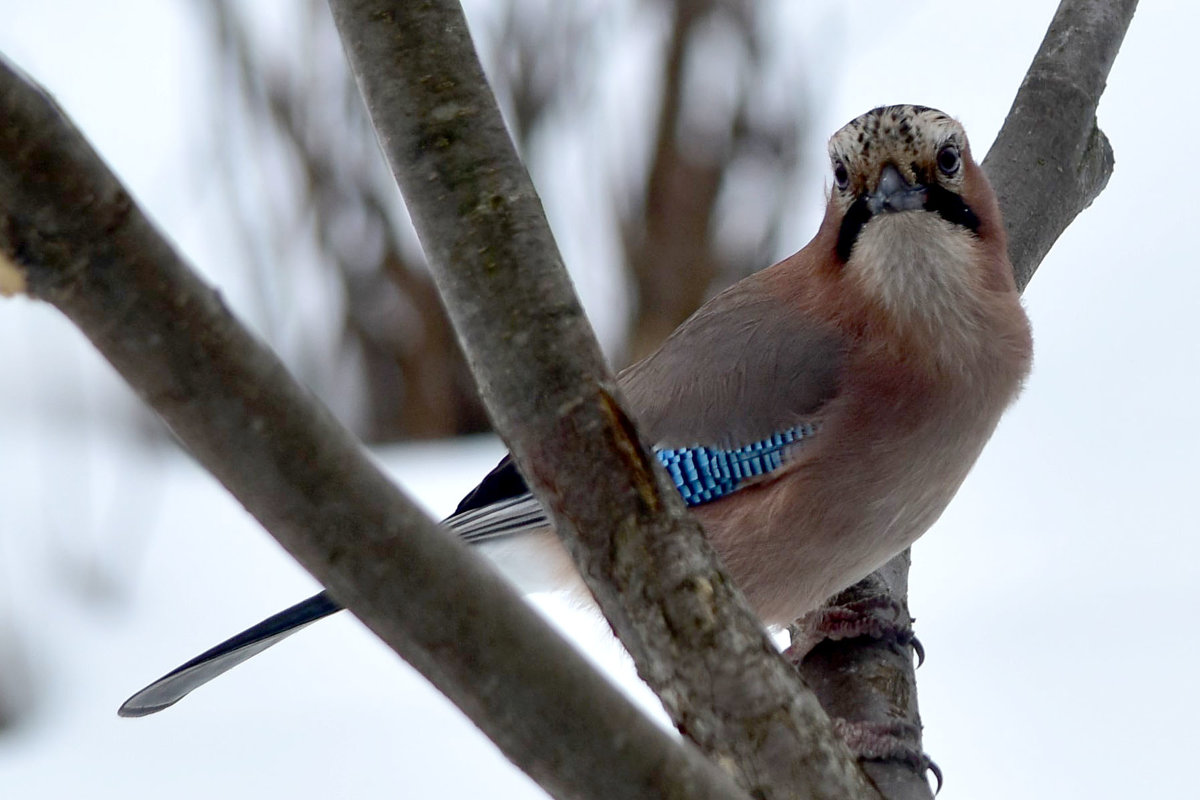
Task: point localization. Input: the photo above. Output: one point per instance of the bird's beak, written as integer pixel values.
(893, 193)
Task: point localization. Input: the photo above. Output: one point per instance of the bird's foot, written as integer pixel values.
(890, 741)
(880, 617)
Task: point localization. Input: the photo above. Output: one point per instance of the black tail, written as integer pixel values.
(170, 688)
(503, 488)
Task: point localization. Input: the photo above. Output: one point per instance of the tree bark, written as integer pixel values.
(1050, 159)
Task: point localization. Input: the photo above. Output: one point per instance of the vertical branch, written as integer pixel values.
(1049, 162)
(670, 238)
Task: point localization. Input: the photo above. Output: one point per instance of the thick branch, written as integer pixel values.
(82, 244)
(1049, 162)
(541, 373)
(869, 682)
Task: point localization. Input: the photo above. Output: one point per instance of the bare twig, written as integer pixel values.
(81, 243)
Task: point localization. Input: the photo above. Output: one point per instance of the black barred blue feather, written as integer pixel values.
(704, 474)
(502, 504)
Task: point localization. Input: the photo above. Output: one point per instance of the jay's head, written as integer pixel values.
(895, 159)
(915, 221)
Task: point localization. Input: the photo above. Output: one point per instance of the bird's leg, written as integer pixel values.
(853, 652)
(897, 742)
(879, 616)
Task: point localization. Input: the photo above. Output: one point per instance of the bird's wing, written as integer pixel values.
(729, 398)
(742, 368)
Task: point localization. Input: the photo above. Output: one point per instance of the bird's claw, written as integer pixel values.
(880, 617)
(890, 741)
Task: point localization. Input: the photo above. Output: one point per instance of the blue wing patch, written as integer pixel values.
(502, 504)
(704, 474)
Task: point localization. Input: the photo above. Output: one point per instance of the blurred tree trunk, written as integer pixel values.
(707, 131)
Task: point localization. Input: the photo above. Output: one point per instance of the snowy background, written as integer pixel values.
(1057, 597)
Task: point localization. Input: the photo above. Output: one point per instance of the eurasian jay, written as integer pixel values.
(818, 415)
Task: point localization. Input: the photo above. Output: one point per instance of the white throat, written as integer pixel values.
(925, 273)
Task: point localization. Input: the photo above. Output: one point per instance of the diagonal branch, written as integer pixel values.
(691, 635)
(73, 237)
(1050, 159)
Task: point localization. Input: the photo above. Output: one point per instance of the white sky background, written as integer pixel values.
(1057, 598)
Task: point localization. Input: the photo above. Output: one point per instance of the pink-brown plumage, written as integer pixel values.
(921, 386)
(896, 333)
(904, 355)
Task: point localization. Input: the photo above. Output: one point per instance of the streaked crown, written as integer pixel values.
(923, 143)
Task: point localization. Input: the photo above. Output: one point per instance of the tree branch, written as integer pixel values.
(691, 635)
(1050, 159)
(79, 242)
(1048, 163)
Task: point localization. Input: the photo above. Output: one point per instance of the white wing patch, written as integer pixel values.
(514, 515)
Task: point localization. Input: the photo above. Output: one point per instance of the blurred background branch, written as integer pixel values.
(705, 211)
(410, 379)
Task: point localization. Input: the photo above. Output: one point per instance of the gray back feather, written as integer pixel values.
(740, 369)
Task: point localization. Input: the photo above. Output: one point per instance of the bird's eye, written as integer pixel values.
(948, 160)
(841, 176)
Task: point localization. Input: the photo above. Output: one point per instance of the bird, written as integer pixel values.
(818, 415)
